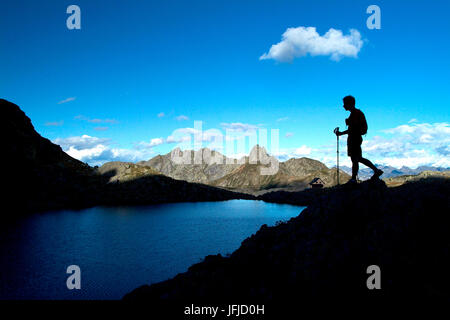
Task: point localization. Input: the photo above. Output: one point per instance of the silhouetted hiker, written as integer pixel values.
(357, 126)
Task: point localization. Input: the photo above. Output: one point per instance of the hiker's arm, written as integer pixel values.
(341, 133)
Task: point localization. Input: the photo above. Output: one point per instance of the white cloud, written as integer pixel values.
(96, 151)
(101, 128)
(185, 136)
(96, 120)
(414, 161)
(193, 138)
(54, 123)
(103, 120)
(423, 132)
(100, 154)
(80, 143)
(182, 118)
(282, 119)
(411, 145)
(300, 41)
(414, 144)
(173, 139)
(153, 142)
(161, 114)
(302, 151)
(286, 154)
(237, 131)
(156, 142)
(87, 155)
(181, 135)
(443, 150)
(67, 100)
(238, 127)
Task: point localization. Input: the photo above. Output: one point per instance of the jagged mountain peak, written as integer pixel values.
(258, 153)
(204, 156)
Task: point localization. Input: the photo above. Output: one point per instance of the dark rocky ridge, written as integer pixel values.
(39, 176)
(325, 251)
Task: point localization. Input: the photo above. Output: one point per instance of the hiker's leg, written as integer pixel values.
(355, 167)
(376, 172)
(368, 163)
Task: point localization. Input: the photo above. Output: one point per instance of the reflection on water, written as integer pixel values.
(121, 248)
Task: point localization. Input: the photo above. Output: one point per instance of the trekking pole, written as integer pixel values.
(337, 154)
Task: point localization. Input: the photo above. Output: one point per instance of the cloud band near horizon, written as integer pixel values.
(412, 145)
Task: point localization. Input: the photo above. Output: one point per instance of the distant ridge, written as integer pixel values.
(389, 171)
(244, 174)
(399, 180)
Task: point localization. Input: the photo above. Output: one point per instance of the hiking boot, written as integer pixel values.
(377, 174)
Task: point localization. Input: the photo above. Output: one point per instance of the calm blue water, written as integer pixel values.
(121, 248)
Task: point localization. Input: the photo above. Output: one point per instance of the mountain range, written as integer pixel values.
(389, 171)
(245, 174)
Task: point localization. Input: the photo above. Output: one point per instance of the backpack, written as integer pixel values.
(363, 124)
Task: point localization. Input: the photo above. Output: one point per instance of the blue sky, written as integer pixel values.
(138, 70)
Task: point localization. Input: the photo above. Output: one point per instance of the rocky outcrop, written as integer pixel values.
(292, 175)
(325, 251)
(202, 166)
(308, 169)
(117, 171)
(38, 175)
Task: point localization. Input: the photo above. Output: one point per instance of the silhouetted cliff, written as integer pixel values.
(38, 175)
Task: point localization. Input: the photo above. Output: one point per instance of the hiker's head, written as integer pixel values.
(349, 102)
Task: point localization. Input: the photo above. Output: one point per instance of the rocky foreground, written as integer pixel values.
(325, 251)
